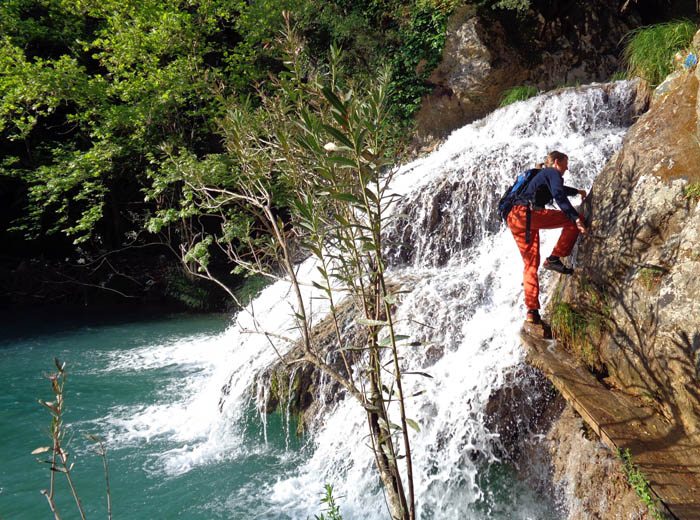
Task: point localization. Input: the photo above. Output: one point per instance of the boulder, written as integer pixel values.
(477, 65)
(295, 387)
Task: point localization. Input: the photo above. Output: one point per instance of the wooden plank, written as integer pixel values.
(662, 451)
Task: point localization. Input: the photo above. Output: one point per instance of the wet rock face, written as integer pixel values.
(442, 221)
(551, 47)
(296, 387)
(640, 265)
(554, 452)
(517, 410)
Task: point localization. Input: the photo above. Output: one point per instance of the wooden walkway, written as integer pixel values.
(662, 451)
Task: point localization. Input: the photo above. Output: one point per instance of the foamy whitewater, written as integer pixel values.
(464, 275)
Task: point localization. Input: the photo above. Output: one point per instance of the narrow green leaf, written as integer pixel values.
(386, 340)
(424, 374)
(306, 225)
(371, 196)
(370, 323)
(368, 246)
(359, 139)
(339, 118)
(338, 135)
(321, 287)
(334, 100)
(346, 197)
(413, 424)
(344, 161)
(388, 425)
(351, 349)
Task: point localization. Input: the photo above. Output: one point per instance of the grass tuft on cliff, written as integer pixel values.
(649, 50)
(574, 330)
(519, 93)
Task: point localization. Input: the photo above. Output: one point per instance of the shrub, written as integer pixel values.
(649, 50)
(650, 277)
(186, 290)
(251, 286)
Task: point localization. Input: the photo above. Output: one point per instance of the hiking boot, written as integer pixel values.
(533, 316)
(557, 265)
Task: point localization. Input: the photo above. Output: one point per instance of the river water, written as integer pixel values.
(130, 382)
(175, 398)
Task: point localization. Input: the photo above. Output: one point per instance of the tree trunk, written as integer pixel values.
(384, 452)
(388, 470)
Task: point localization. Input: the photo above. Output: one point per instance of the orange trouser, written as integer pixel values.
(539, 219)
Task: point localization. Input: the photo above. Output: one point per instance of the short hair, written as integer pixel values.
(555, 156)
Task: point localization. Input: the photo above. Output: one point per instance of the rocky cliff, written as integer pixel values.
(638, 284)
(487, 52)
(635, 299)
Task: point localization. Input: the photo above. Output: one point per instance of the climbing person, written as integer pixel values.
(528, 215)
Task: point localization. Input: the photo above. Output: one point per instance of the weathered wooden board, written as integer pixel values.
(662, 451)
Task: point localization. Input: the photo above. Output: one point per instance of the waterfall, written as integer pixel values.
(463, 306)
(464, 274)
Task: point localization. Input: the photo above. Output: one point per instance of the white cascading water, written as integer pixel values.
(464, 275)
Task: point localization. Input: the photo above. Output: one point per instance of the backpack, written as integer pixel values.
(512, 193)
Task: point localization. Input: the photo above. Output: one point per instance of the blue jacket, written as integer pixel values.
(544, 187)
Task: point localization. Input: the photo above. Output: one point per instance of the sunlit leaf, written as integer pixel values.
(413, 424)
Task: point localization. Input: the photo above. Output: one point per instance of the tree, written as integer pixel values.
(321, 149)
(91, 93)
(87, 104)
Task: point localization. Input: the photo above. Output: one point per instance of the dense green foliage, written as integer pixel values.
(95, 96)
(649, 50)
(87, 109)
(517, 5)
